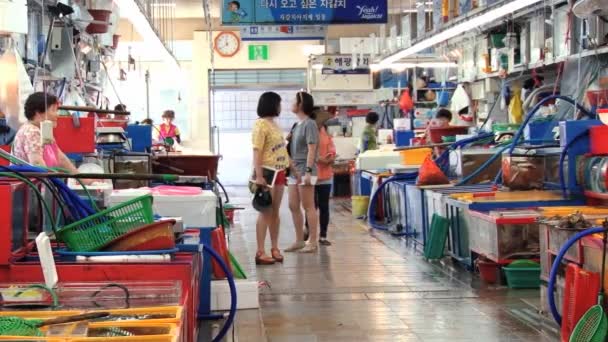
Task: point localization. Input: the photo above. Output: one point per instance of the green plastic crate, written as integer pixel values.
(96, 231)
(523, 275)
(435, 245)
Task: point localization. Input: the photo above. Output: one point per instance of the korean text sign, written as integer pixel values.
(304, 12)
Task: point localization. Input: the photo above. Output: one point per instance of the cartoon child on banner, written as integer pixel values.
(237, 13)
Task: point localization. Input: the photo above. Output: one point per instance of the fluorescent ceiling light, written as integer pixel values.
(460, 28)
(131, 10)
(416, 11)
(403, 66)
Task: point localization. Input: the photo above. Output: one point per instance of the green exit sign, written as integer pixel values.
(258, 52)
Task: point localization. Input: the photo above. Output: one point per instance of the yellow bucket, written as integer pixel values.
(360, 205)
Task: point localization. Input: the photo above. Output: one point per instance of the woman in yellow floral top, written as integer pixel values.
(269, 151)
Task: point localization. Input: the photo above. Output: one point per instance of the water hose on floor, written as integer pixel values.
(372, 203)
(230, 320)
(555, 268)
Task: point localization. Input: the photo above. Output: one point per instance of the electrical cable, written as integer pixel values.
(555, 268)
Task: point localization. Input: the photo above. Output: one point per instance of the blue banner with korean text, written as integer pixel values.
(304, 12)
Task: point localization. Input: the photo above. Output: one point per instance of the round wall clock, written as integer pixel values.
(227, 44)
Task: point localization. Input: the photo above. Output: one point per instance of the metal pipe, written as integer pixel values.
(147, 77)
(93, 109)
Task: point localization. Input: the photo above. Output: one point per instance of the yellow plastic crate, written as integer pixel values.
(33, 339)
(128, 339)
(563, 211)
(175, 311)
(161, 332)
(40, 314)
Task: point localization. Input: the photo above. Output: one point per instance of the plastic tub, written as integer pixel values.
(360, 205)
(523, 274)
(488, 271)
(415, 156)
(436, 134)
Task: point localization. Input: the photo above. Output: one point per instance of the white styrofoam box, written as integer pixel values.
(247, 294)
(402, 123)
(197, 211)
(492, 85)
(478, 90)
(346, 147)
(383, 135)
(377, 160)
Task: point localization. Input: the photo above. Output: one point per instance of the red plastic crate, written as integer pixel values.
(580, 294)
(4, 162)
(598, 143)
(438, 133)
(75, 139)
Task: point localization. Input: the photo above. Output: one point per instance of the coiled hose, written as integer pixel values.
(556, 264)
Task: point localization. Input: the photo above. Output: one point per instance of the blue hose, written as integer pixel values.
(79, 209)
(533, 111)
(483, 166)
(230, 320)
(374, 198)
(562, 157)
(555, 268)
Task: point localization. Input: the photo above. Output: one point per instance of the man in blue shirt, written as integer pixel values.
(7, 134)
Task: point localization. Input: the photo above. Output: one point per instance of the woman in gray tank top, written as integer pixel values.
(303, 148)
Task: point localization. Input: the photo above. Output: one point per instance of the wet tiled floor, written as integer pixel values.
(370, 286)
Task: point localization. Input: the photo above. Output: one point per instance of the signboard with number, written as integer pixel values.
(258, 52)
(345, 65)
(304, 12)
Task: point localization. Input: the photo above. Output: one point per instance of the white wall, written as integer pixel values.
(282, 55)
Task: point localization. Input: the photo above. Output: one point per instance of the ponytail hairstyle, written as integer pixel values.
(306, 104)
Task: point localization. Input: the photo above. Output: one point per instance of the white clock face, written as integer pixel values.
(227, 44)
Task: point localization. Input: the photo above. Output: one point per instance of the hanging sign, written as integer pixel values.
(304, 12)
(345, 65)
(283, 32)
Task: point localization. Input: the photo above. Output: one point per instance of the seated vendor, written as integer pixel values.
(167, 130)
(442, 119)
(29, 145)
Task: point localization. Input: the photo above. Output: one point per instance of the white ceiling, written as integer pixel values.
(194, 8)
